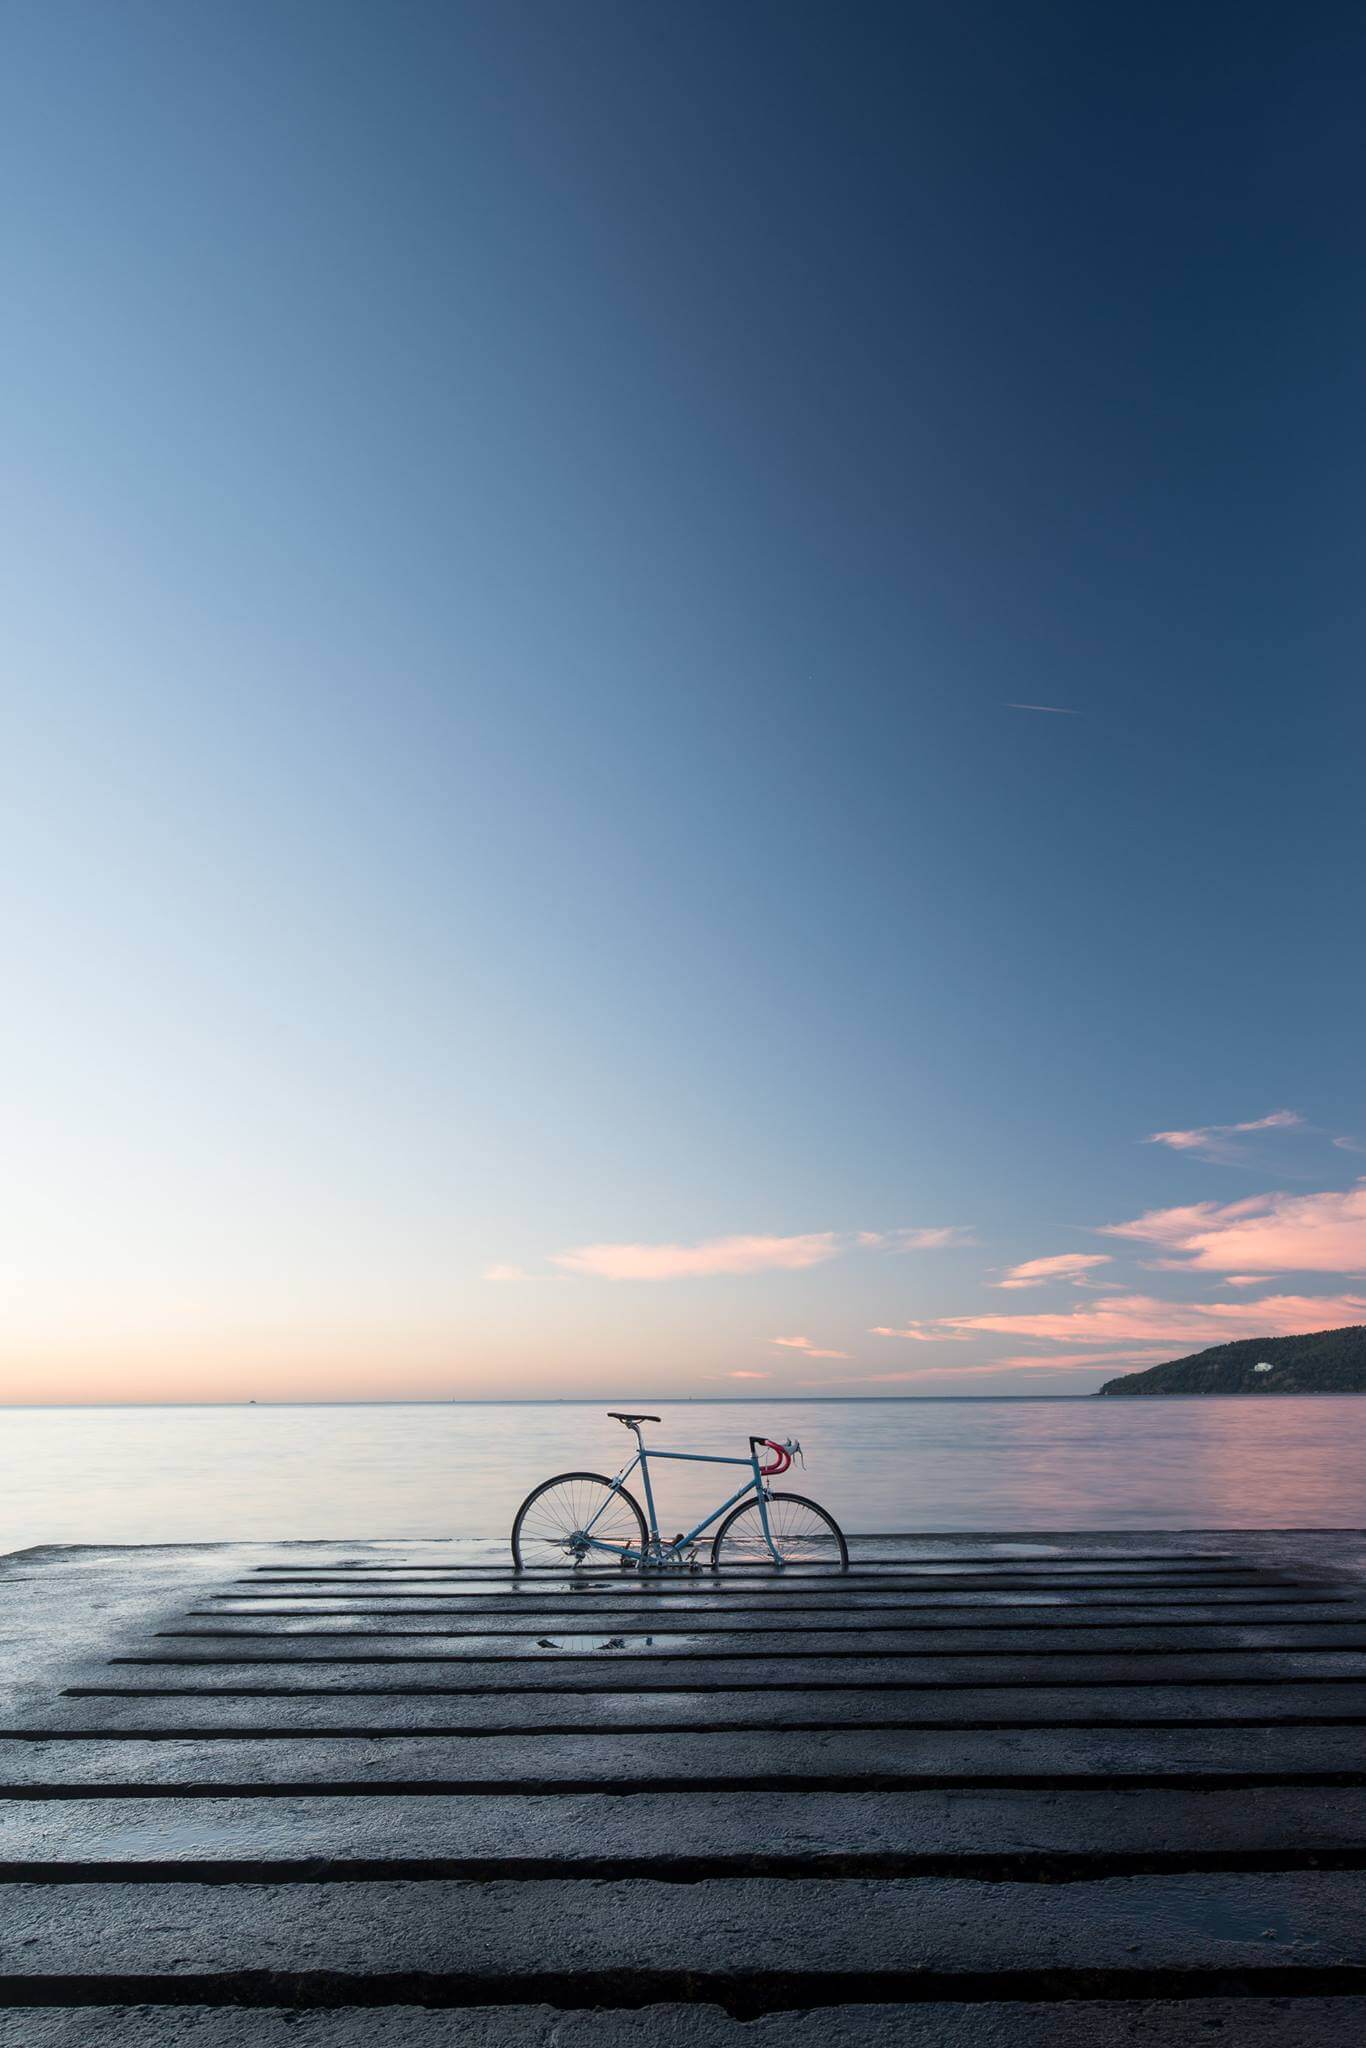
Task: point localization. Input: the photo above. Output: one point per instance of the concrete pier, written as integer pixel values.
(998, 1790)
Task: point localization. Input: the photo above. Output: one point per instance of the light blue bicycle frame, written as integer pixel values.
(655, 1550)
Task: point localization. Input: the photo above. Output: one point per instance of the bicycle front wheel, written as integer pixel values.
(566, 1517)
(802, 1533)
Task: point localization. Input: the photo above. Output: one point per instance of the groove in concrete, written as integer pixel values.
(1120, 1560)
(810, 1867)
(729, 1585)
(1256, 2021)
(743, 1996)
(899, 1583)
(601, 1679)
(624, 1788)
(297, 1627)
(854, 1604)
(621, 1651)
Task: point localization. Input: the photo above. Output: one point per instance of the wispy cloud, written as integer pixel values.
(1063, 1266)
(740, 1375)
(1349, 1145)
(745, 1254)
(806, 1347)
(920, 1333)
(935, 1237)
(506, 1273)
(1054, 710)
(1214, 1141)
(1275, 1233)
(1020, 1366)
(1008, 1368)
(1147, 1354)
(1129, 1317)
(910, 1372)
(696, 1261)
(1238, 1279)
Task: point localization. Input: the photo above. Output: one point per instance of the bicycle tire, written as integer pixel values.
(747, 1548)
(574, 1513)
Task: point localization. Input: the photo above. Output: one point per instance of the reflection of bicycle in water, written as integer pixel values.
(590, 1519)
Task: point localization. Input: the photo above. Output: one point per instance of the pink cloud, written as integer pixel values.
(1141, 1317)
(1013, 1368)
(744, 1254)
(1020, 1365)
(505, 1273)
(747, 1375)
(1062, 1266)
(914, 1372)
(1210, 1141)
(907, 1373)
(1349, 1145)
(1149, 1354)
(694, 1261)
(1239, 1279)
(919, 1333)
(936, 1237)
(1276, 1233)
(806, 1347)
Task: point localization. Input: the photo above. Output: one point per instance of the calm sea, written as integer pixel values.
(158, 1475)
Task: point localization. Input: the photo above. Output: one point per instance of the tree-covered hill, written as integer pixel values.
(1320, 1362)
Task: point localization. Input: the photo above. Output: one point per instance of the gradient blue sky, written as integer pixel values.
(525, 531)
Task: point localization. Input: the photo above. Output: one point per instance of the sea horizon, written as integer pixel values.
(193, 1472)
(671, 1400)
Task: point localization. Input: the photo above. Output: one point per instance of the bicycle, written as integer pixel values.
(585, 1516)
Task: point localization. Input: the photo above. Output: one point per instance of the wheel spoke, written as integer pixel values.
(801, 1534)
(555, 1520)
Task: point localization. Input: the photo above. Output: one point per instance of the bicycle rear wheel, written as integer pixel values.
(803, 1533)
(553, 1521)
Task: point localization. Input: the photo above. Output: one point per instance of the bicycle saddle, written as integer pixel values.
(629, 1419)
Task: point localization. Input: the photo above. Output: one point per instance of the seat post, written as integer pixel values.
(645, 1479)
(633, 1422)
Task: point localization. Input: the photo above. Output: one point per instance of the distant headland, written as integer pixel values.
(1319, 1362)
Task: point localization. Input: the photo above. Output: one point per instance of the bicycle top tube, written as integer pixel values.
(633, 1422)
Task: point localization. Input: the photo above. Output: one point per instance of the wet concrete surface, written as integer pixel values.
(1086, 1789)
(132, 1765)
(625, 1938)
(1033, 1831)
